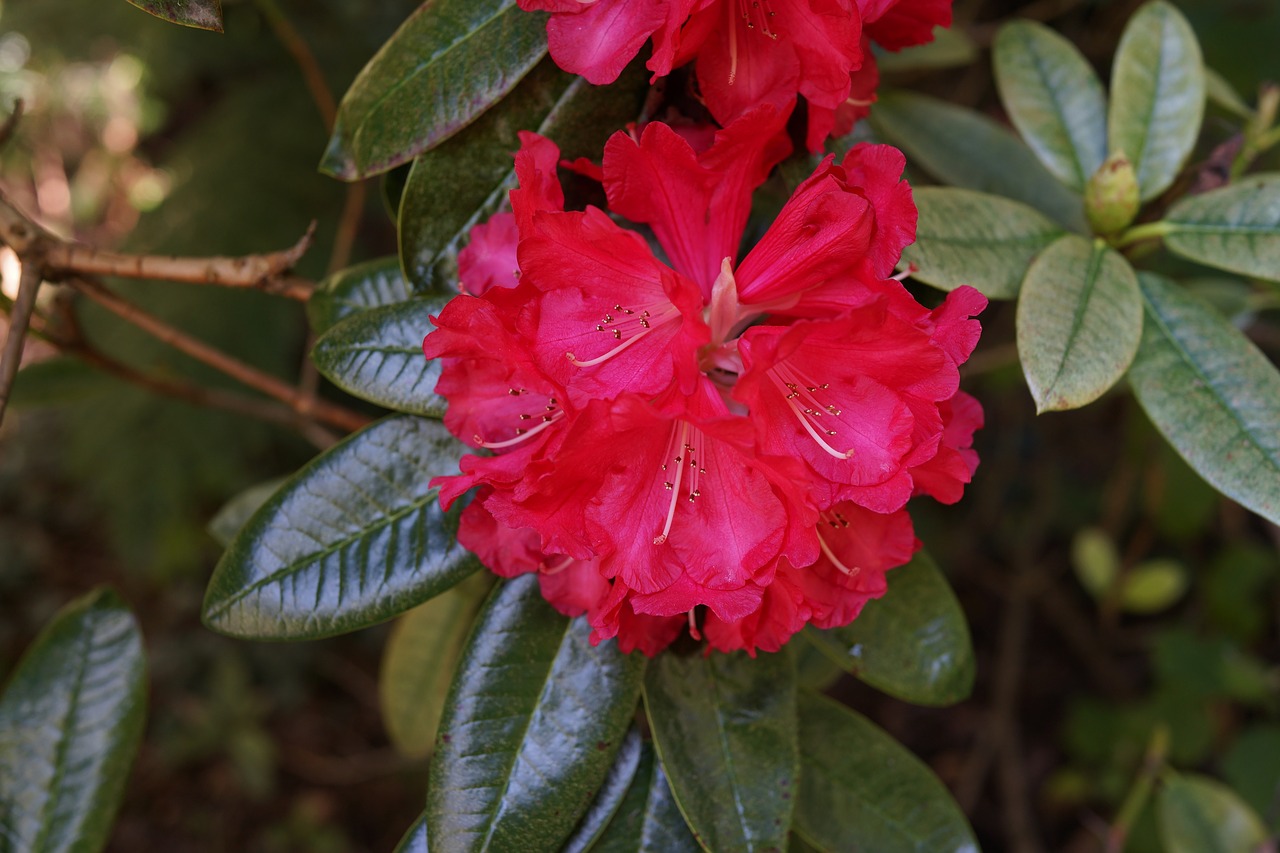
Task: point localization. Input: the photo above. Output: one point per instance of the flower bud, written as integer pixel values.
(1111, 197)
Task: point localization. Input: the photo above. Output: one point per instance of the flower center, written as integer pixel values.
(837, 521)
(628, 325)
(550, 413)
(801, 394)
(684, 447)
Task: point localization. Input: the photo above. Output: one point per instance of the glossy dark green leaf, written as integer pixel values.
(725, 729)
(415, 840)
(448, 63)
(418, 662)
(201, 14)
(1053, 98)
(533, 721)
(816, 669)
(354, 538)
(356, 289)
(610, 797)
(1202, 815)
(1157, 95)
(227, 522)
(1212, 394)
(376, 355)
(466, 180)
(70, 721)
(862, 790)
(967, 237)
(913, 643)
(1079, 322)
(648, 820)
(1235, 228)
(969, 150)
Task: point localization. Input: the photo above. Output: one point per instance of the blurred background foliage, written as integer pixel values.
(1111, 593)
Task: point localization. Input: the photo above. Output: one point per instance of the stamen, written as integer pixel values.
(811, 411)
(835, 561)
(557, 568)
(673, 487)
(641, 325)
(521, 434)
(693, 626)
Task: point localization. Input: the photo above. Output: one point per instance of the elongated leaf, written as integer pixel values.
(227, 523)
(611, 796)
(969, 150)
(533, 721)
(648, 818)
(1157, 95)
(70, 721)
(1079, 322)
(465, 181)
(448, 63)
(1212, 395)
(418, 663)
(1201, 815)
(415, 840)
(967, 237)
(58, 380)
(201, 14)
(1053, 98)
(376, 355)
(913, 643)
(862, 790)
(950, 47)
(1218, 91)
(1235, 228)
(354, 538)
(725, 729)
(357, 289)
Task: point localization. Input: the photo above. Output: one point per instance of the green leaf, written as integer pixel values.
(1222, 93)
(1153, 585)
(1234, 228)
(1157, 95)
(1096, 560)
(1201, 815)
(913, 643)
(234, 513)
(725, 729)
(969, 150)
(1079, 322)
(376, 355)
(201, 14)
(448, 63)
(57, 380)
(418, 663)
(862, 790)
(1212, 395)
(357, 289)
(648, 818)
(950, 48)
(1252, 767)
(610, 797)
(815, 668)
(354, 538)
(415, 840)
(70, 721)
(533, 721)
(1053, 98)
(465, 181)
(967, 237)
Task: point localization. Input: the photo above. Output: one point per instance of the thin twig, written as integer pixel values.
(297, 46)
(69, 339)
(19, 319)
(264, 272)
(300, 402)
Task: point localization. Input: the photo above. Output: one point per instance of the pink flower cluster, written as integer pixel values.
(705, 440)
(747, 52)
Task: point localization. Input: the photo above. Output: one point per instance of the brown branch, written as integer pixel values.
(264, 272)
(11, 123)
(19, 320)
(312, 73)
(304, 404)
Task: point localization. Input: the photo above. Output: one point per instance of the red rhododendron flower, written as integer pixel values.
(747, 52)
(705, 440)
